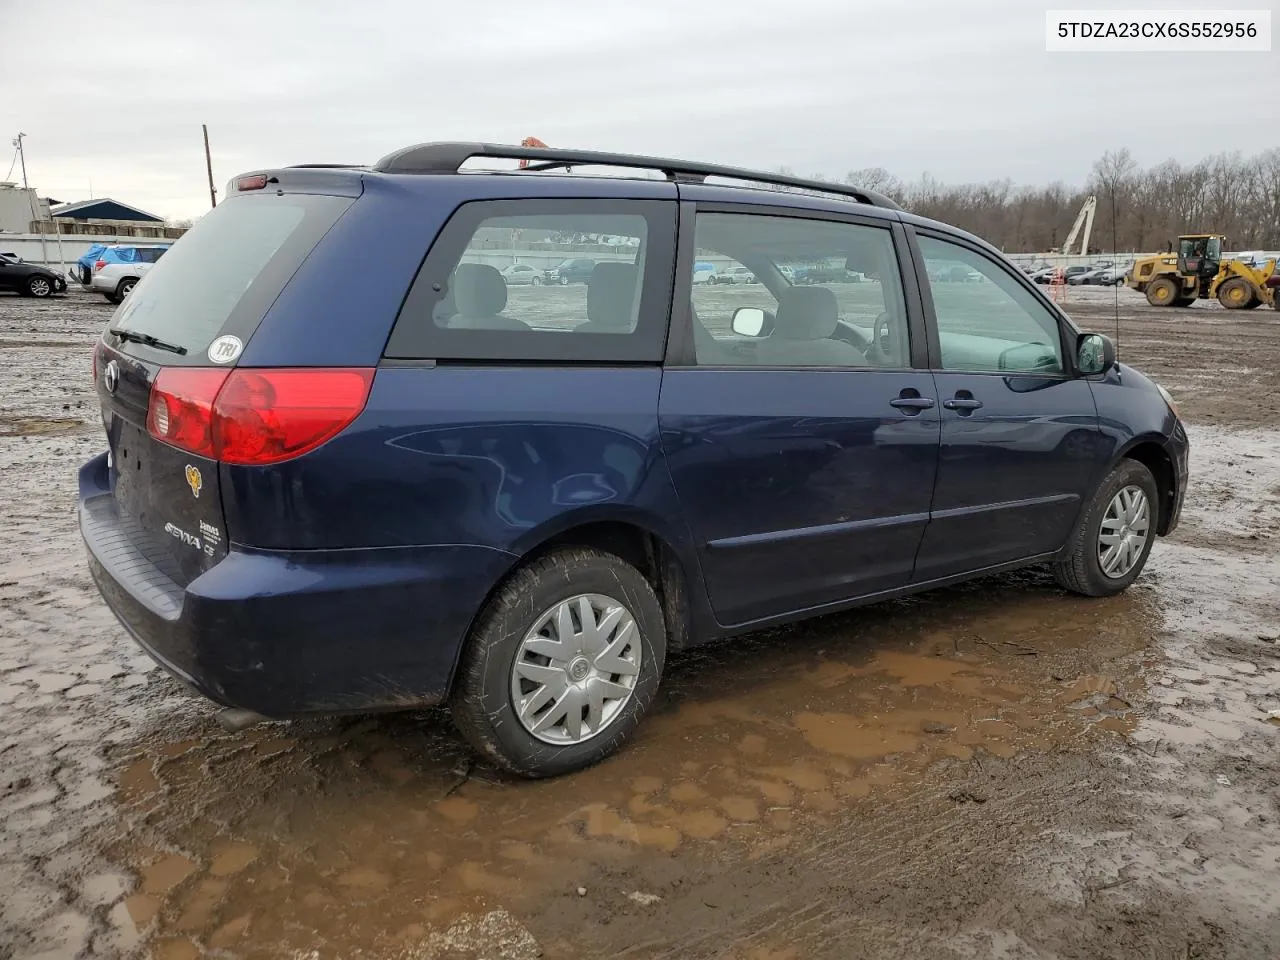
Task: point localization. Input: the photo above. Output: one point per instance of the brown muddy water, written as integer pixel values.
(995, 770)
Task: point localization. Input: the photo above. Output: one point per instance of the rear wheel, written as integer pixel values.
(561, 665)
(1113, 537)
(1162, 292)
(39, 286)
(536, 281)
(125, 288)
(1236, 293)
(564, 281)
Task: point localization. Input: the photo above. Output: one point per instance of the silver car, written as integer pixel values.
(521, 273)
(115, 281)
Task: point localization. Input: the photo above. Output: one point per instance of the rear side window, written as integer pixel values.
(150, 254)
(223, 275)
(598, 291)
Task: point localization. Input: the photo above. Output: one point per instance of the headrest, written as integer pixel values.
(806, 313)
(611, 294)
(478, 290)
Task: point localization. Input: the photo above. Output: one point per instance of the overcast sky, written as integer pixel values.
(114, 93)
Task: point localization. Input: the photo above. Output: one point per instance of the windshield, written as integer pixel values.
(223, 275)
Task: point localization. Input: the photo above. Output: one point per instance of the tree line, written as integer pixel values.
(1228, 193)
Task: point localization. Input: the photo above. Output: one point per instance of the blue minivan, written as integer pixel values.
(349, 469)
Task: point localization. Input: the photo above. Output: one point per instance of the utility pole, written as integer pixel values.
(208, 163)
(23, 157)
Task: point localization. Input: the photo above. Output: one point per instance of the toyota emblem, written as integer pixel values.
(111, 376)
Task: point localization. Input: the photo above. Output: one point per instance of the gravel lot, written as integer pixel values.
(997, 770)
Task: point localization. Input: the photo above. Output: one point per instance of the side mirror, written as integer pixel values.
(748, 321)
(1095, 354)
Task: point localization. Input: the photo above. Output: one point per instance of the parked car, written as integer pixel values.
(826, 273)
(734, 275)
(1273, 282)
(573, 270)
(1105, 276)
(119, 269)
(704, 273)
(522, 274)
(29, 279)
(1046, 274)
(330, 491)
(105, 253)
(954, 273)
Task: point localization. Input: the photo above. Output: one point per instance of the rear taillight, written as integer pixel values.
(180, 412)
(98, 265)
(254, 417)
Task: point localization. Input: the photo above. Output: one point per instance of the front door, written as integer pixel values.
(1020, 440)
(802, 444)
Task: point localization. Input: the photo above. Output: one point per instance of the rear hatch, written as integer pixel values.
(171, 350)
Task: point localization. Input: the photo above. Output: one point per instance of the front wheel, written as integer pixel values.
(536, 281)
(564, 281)
(1162, 292)
(39, 286)
(562, 664)
(1236, 294)
(1113, 537)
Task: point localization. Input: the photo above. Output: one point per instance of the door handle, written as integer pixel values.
(911, 403)
(963, 403)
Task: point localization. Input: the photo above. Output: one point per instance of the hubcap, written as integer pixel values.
(40, 287)
(576, 669)
(1123, 534)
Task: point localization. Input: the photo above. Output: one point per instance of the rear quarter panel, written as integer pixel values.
(501, 457)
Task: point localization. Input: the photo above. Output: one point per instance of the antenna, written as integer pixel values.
(1115, 259)
(22, 157)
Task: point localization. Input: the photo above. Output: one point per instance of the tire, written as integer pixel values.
(483, 697)
(112, 297)
(1253, 304)
(536, 281)
(564, 281)
(1162, 292)
(1079, 567)
(125, 288)
(39, 287)
(1236, 293)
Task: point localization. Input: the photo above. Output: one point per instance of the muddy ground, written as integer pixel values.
(997, 770)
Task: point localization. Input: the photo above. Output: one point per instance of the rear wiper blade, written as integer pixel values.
(148, 340)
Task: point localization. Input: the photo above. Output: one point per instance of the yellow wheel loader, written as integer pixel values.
(1198, 272)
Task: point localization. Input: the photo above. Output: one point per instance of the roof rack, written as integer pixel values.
(438, 158)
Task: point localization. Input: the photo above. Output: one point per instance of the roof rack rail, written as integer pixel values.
(448, 157)
(327, 166)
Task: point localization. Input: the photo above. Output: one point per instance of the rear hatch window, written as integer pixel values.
(222, 277)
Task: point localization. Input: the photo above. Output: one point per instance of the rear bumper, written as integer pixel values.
(290, 633)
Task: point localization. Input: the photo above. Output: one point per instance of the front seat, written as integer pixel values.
(802, 329)
(480, 295)
(611, 298)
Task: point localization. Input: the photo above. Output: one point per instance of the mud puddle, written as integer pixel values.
(373, 830)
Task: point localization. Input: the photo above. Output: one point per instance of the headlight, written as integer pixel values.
(1168, 398)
